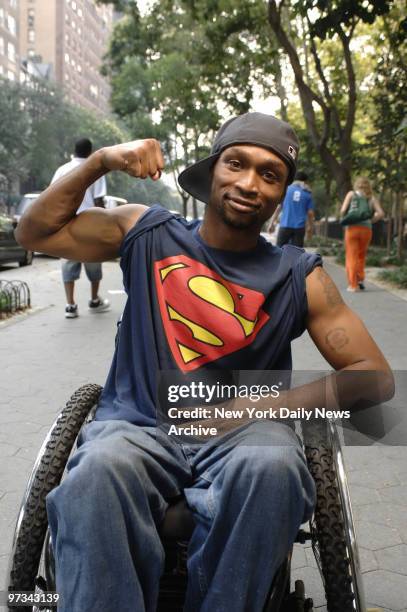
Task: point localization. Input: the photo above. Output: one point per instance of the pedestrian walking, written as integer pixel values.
(297, 210)
(71, 270)
(359, 210)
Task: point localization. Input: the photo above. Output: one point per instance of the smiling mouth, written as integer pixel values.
(242, 205)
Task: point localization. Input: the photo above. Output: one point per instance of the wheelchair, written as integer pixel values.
(331, 532)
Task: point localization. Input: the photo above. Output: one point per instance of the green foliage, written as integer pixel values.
(327, 247)
(377, 257)
(187, 62)
(14, 128)
(387, 145)
(395, 277)
(184, 63)
(347, 12)
(38, 134)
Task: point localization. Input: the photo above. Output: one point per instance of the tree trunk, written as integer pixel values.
(338, 167)
(194, 208)
(400, 225)
(327, 204)
(389, 233)
(185, 199)
(280, 90)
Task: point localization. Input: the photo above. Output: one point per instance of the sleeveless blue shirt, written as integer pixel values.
(192, 306)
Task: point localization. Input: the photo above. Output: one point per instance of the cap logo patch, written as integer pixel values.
(292, 152)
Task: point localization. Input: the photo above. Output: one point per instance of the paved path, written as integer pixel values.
(45, 357)
(377, 475)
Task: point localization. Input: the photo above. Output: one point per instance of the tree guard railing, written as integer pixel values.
(14, 297)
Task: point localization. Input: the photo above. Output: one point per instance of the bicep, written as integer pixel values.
(336, 330)
(94, 235)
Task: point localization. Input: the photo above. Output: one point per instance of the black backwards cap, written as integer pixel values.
(252, 129)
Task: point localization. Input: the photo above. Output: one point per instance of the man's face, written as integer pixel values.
(247, 184)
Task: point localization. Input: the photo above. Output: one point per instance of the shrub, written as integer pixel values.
(395, 277)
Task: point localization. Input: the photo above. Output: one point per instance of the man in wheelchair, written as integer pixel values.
(200, 295)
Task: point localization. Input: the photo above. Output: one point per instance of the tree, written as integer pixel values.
(14, 128)
(230, 51)
(38, 133)
(387, 145)
(331, 128)
(153, 73)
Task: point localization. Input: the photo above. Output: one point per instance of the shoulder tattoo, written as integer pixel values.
(333, 297)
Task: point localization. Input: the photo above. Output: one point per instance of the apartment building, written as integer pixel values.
(9, 40)
(65, 40)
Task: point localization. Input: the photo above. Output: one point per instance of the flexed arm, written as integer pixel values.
(51, 224)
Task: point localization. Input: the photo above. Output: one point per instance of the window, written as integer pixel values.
(1, 45)
(66, 58)
(11, 24)
(74, 5)
(1, 70)
(11, 52)
(10, 75)
(80, 12)
(30, 18)
(1, 16)
(31, 36)
(13, 3)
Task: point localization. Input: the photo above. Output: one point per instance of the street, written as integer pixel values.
(45, 357)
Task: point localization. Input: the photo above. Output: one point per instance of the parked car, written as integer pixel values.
(23, 204)
(10, 250)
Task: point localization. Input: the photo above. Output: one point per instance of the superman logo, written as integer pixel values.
(205, 317)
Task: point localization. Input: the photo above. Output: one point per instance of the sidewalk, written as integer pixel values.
(45, 358)
(377, 475)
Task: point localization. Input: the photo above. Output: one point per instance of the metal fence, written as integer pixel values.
(14, 297)
(335, 230)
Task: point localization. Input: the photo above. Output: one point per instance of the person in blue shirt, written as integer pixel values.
(202, 297)
(296, 212)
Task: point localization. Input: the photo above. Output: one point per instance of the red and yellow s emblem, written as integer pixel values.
(205, 317)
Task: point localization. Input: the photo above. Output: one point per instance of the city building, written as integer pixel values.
(9, 40)
(65, 40)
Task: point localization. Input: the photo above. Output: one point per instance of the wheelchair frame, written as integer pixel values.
(331, 528)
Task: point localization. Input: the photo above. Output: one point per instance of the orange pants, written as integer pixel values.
(357, 239)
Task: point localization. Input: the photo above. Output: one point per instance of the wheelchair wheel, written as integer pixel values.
(47, 473)
(334, 541)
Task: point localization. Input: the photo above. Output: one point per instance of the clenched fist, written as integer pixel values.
(140, 158)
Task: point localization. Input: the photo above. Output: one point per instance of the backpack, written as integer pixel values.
(359, 210)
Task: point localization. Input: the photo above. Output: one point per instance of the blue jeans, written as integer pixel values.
(249, 493)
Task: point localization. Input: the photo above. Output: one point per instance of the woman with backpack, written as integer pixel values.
(359, 210)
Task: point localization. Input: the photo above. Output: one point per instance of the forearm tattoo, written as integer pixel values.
(337, 338)
(333, 297)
